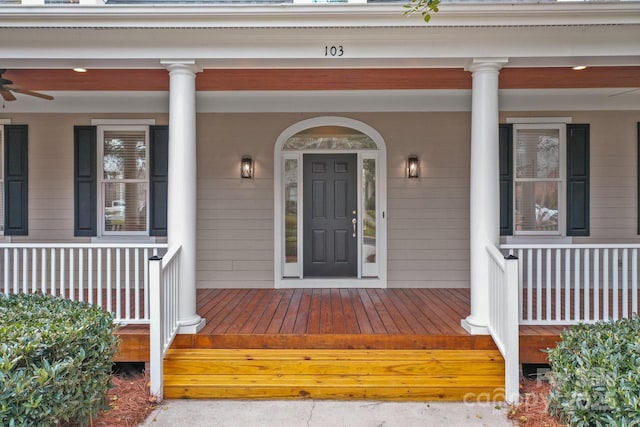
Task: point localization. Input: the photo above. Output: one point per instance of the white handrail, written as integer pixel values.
(114, 276)
(503, 316)
(164, 300)
(568, 284)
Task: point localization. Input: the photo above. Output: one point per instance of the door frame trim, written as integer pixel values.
(381, 206)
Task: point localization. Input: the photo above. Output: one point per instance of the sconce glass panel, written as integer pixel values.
(246, 168)
(413, 167)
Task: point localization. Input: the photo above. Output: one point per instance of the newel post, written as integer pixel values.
(156, 304)
(512, 331)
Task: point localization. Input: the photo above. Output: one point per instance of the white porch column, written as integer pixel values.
(484, 186)
(181, 209)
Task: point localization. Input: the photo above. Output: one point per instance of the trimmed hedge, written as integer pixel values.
(55, 360)
(596, 375)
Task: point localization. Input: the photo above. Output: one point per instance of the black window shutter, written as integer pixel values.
(85, 181)
(506, 179)
(159, 155)
(16, 180)
(577, 180)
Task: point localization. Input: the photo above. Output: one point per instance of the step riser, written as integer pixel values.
(370, 393)
(198, 367)
(325, 374)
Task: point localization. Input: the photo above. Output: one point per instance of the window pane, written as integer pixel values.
(125, 206)
(536, 206)
(291, 210)
(330, 138)
(125, 155)
(369, 213)
(537, 153)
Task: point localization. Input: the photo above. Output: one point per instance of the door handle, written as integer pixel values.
(354, 222)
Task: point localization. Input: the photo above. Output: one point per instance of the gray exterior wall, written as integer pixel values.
(428, 219)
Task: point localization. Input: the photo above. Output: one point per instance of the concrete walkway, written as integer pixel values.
(323, 413)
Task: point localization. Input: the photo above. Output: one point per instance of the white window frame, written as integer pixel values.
(532, 124)
(100, 210)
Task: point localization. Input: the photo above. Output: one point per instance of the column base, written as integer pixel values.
(192, 325)
(470, 325)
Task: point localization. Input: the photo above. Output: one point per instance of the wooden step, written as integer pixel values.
(333, 374)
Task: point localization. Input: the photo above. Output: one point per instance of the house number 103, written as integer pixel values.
(333, 51)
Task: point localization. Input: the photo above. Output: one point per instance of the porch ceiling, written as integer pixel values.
(323, 79)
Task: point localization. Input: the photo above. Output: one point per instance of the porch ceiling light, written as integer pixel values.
(246, 167)
(579, 67)
(413, 167)
(80, 70)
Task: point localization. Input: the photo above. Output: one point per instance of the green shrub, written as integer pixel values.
(55, 360)
(596, 374)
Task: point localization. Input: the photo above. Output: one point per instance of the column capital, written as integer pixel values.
(486, 64)
(188, 65)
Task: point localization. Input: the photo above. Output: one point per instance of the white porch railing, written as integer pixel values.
(568, 284)
(113, 276)
(503, 316)
(164, 299)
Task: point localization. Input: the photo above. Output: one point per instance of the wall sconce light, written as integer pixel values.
(413, 167)
(246, 167)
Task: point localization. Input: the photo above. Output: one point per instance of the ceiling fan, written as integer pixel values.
(7, 87)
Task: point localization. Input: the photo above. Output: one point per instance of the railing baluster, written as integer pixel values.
(72, 289)
(127, 282)
(25, 281)
(587, 286)
(118, 284)
(596, 284)
(43, 272)
(625, 283)
(16, 283)
(52, 263)
(605, 285)
(99, 278)
(109, 298)
(136, 282)
(34, 276)
(90, 275)
(80, 274)
(539, 284)
(576, 285)
(6, 270)
(634, 281)
(146, 281)
(520, 285)
(558, 284)
(530, 285)
(63, 272)
(548, 316)
(567, 285)
(615, 285)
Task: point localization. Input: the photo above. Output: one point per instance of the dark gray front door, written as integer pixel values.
(330, 242)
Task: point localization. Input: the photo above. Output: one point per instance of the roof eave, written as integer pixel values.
(325, 15)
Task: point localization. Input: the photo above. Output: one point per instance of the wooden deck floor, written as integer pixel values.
(334, 318)
(334, 311)
(386, 319)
